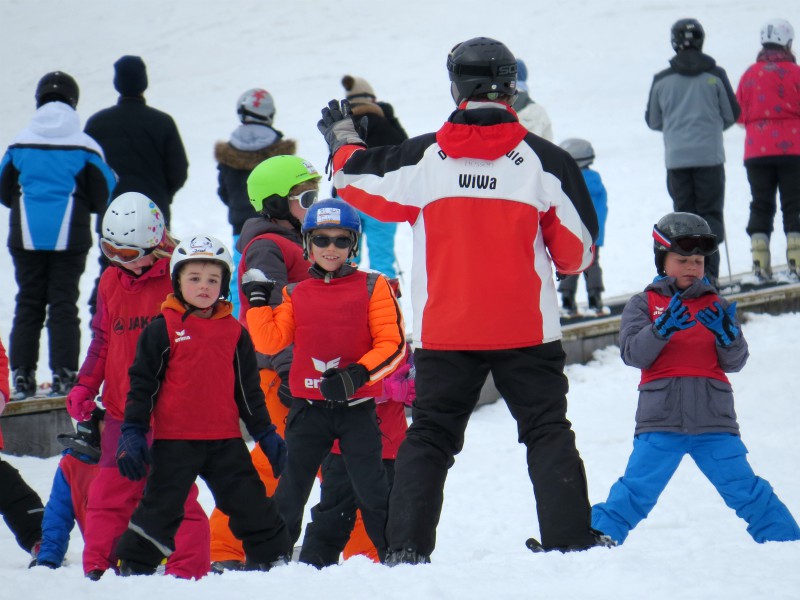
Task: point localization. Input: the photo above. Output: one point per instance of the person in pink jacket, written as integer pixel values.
(769, 94)
(130, 294)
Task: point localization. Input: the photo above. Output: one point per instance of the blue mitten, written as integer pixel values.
(133, 455)
(675, 318)
(720, 322)
(274, 448)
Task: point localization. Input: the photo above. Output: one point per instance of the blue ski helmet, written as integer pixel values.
(328, 214)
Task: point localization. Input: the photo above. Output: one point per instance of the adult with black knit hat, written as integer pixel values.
(52, 177)
(381, 128)
(142, 144)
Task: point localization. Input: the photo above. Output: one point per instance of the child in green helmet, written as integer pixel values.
(280, 189)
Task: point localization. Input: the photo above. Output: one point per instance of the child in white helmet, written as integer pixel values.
(193, 378)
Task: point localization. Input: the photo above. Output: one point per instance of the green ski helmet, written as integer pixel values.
(269, 183)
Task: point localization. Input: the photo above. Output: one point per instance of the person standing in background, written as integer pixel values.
(532, 115)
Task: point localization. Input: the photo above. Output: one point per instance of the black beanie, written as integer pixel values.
(130, 76)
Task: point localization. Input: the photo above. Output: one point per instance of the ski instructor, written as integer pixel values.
(481, 187)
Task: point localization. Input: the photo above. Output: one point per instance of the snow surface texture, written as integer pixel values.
(590, 65)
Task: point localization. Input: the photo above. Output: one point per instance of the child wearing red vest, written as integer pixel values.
(130, 293)
(280, 189)
(194, 377)
(684, 338)
(348, 335)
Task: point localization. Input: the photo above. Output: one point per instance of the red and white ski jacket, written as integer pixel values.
(493, 208)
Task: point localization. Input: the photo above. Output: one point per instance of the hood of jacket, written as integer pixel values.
(259, 226)
(692, 62)
(221, 309)
(485, 130)
(254, 136)
(55, 119)
(246, 159)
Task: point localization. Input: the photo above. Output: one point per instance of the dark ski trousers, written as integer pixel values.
(21, 507)
(48, 284)
(227, 469)
(311, 429)
(766, 179)
(593, 276)
(701, 191)
(333, 519)
(533, 384)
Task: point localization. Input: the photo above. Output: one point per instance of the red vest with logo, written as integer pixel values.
(196, 399)
(296, 266)
(331, 330)
(130, 304)
(689, 353)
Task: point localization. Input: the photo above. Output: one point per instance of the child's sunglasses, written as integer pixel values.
(306, 199)
(122, 253)
(340, 241)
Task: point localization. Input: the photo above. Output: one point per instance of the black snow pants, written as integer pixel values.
(533, 384)
(766, 178)
(21, 507)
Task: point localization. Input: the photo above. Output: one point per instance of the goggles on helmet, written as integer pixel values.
(122, 253)
(307, 198)
(687, 245)
(323, 241)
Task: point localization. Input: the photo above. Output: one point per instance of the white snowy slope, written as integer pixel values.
(590, 64)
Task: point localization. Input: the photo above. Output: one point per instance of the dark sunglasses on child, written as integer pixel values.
(340, 241)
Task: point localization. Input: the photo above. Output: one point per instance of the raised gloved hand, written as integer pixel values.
(284, 391)
(274, 448)
(336, 126)
(338, 385)
(133, 455)
(80, 402)
(257, 287)
(675, 318)
(400, 387)
(721, 322)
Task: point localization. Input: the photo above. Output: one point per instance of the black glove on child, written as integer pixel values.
(257, 287)
(338, 385)
(336, 126)
(284, 391)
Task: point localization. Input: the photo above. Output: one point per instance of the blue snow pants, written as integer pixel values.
(380, 242)
(722, 457)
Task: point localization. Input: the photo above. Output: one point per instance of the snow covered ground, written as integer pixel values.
(590, 64)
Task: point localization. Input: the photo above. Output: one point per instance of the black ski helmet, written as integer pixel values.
(683, 233)
(57, 86)
(481, 67)
(687, 33)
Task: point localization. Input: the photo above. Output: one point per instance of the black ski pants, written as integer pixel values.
(701, 191)
(568, 285)
(48, 286)
(227, 469)
(333, 519)
(766, 179)
(311, 429)
(533, 384)
(21, 507)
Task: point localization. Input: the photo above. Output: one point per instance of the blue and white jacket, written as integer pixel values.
(52, 177)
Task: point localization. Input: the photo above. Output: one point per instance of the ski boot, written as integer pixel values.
(569, 308)
(759, 248)
(596, 307)
(218, 567)
(94, 575)
(24, 384)
(407, 555)
(281, 561)
(601, 540)
(63, 380)
(793, 253)
(128, 568)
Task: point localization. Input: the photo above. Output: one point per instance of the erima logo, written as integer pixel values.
(181, 336)
(658, 311)
(321, 366)
(479, 182)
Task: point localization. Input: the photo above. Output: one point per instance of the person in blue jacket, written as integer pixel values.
(68, 496)
(583, 153)
(65, 179)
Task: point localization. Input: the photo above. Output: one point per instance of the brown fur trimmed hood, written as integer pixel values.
(243, 160)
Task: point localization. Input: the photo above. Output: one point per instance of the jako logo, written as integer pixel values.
(181, 336)
(321, 366)
(480, 182)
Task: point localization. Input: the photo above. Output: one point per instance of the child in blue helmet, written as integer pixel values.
(684, 338)
(348, 335)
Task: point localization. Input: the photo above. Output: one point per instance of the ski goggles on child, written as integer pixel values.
(306, 199)
(122, 253)
(687, 245)
(340, 241)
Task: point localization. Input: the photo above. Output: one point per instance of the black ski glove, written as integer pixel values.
(257, 287)
(284, 391)
(336, 126)
(338, 385)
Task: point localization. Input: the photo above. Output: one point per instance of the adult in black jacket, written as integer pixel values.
(140, 143)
